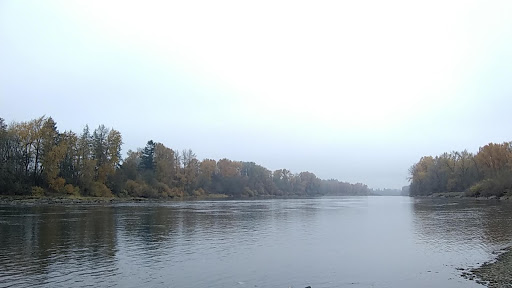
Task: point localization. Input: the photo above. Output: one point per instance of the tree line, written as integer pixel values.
(486, 173)
(36, 159)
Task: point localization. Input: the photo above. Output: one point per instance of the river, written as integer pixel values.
(320, 242)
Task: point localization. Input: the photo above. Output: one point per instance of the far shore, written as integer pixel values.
(69, 200)
(65, 199)
(44, 200)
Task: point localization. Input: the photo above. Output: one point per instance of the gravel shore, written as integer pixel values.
(13, 200)
(494, 274)
(49, 200)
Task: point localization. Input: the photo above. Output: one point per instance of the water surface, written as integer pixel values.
(322, 242)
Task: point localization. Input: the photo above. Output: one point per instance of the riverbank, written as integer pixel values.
(494, 274)
(21, 200)
(464, 195)
(68, 200)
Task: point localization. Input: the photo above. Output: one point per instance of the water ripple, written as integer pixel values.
(325, 242)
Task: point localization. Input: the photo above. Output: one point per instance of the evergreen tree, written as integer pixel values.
(147, 157)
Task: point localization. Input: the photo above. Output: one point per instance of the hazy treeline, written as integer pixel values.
(391, 192)
(37, 159)
(487, 173)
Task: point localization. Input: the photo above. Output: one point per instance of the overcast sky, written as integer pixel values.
(352, 90)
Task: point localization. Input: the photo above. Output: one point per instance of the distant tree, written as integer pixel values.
(489, 172)
(422, 180)
(54, 148)
(35, 157)
(308, 184)
(283, 180)
(228, 168)
(86, 161)
(494, 159)
(257, 179)
(11, 162)
(207, 168)
(190, 170)
(165, 168)
(69, 164)
(99, 145)
(147, 155)
(131, 164)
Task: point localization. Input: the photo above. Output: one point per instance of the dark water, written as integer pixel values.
(326, 242)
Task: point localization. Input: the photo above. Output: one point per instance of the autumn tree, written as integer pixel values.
(466, 171)
(54, 149)
(489, 172)
(35, 157)
(422, 177)
(257, 180)
(165, 168)
(113, 152)
(494, 159)
(86, 163)
(228, 168)
(190, 170)
(207, 169)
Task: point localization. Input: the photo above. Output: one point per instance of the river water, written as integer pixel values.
(321, 242)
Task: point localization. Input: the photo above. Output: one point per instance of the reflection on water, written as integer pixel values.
(463, 222)
(58, 245)
(325, 242)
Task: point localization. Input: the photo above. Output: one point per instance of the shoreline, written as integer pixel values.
(84, 200)
(63, 200)
(496, 273)
(69, 200)
(462, 195)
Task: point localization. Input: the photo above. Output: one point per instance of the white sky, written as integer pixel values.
(353, 90)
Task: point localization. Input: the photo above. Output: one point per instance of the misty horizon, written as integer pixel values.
(347, 91)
